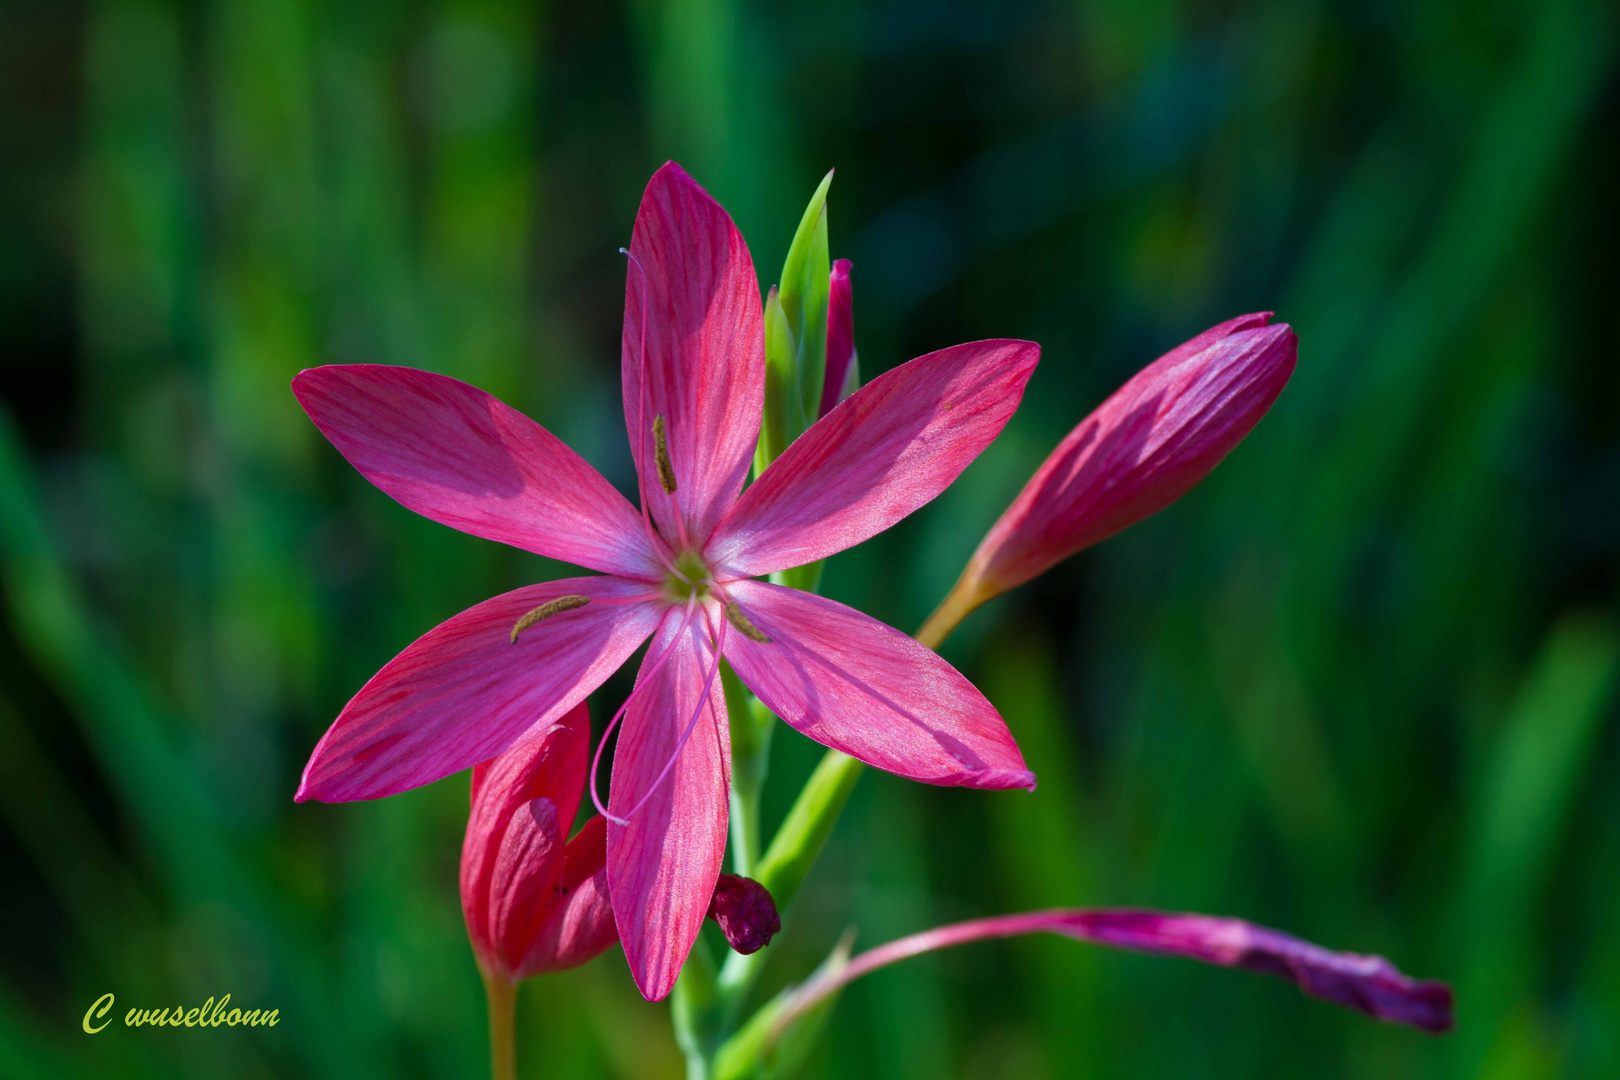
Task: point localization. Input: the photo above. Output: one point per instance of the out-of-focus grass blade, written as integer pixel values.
(157, 785)
(907, 1010)
(1529, 784)
(26, 1055)
(1522, 140)
(1041, 857)
(103, 900)
(1329, 493)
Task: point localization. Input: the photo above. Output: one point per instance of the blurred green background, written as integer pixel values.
(1359, 685)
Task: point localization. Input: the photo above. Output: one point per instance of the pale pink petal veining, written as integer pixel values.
(463, 692)
(702, 351)
(856, 685)
(888, 449)
(662, 866)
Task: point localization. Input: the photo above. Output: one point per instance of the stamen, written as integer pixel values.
(546, 611)
(747, 629)
(666, 470)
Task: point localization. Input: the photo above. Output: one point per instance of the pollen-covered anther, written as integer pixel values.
(747, 629)
(546, 611)
(666, 470)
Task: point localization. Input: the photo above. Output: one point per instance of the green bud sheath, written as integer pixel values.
(796, 335)
(781, 382)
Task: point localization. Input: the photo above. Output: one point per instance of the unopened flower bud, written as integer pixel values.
(1142, 449)
(535, 901)
(843, 369)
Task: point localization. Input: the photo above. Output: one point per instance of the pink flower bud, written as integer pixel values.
(746, 913)
(842, 372)
(532, 901)
(1142, 449)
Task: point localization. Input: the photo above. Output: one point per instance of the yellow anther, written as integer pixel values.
(735, 616)
(666, 470)
(546, 611)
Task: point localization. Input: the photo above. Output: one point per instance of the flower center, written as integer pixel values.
(689, 577)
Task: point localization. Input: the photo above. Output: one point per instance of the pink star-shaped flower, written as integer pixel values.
(680, 571)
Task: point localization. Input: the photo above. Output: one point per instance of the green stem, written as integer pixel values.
(693, 1012)
(502, 996)
(751, 726)
(966, 595)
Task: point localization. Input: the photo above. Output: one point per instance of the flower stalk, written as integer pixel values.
(501, 993)
(751, 725)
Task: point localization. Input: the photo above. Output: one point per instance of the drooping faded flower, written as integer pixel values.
(745, 912)
(533, 899)
(1141, 450)
(1368, 984)
(677, 571)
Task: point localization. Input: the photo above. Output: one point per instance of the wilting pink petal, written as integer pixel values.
(1142, 449)
(1369, 984)
(856, 685)
(662, 865)
(889, 448)
(704, 350)
(745, 913)
(531, 903)
(840, 335)
(463, 692)
(581, 925)
(455, 454)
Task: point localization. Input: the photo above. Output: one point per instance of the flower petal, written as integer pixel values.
(523, 880)
(582, 924)
(552, 760)
(662, 866)
(889, 448)
(464, 692)
(702, 348)
(1142, 449)
(457, 455)
(856, 685)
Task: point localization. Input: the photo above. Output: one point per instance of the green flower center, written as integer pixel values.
(690, 567)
